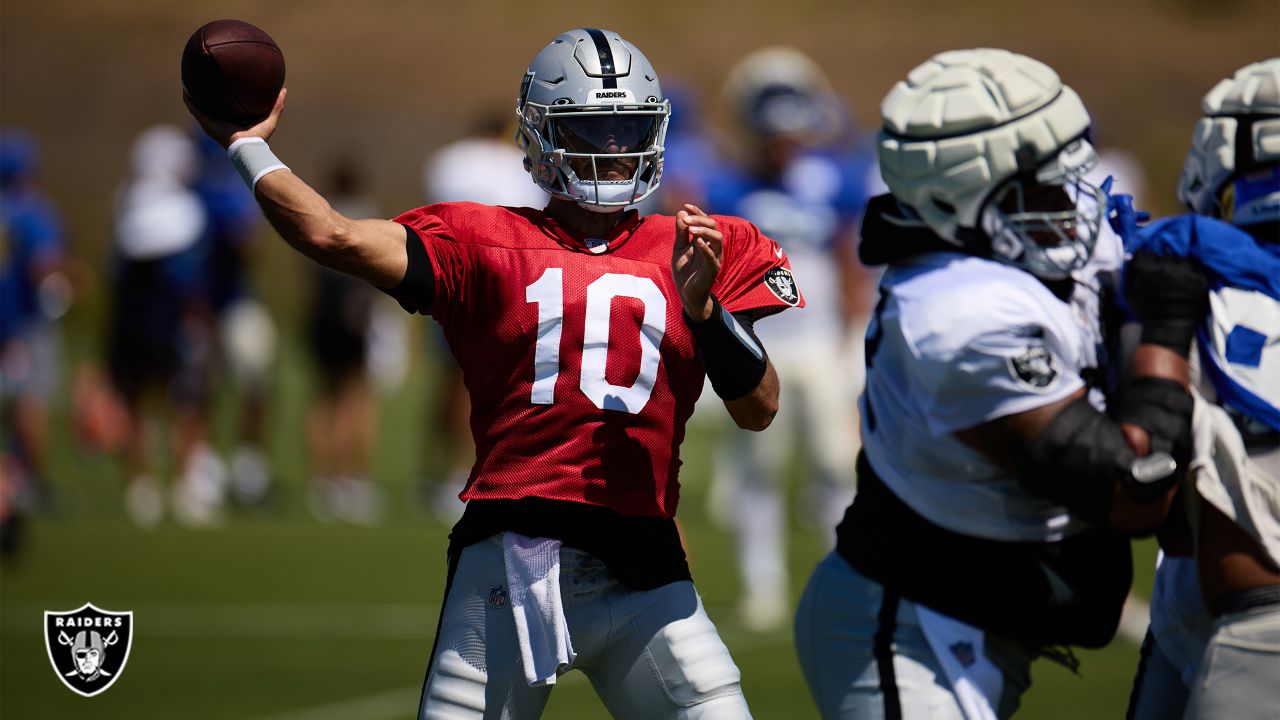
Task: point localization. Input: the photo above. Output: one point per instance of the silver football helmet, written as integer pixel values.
(1237, 143)
(593, 120)
(989, 150)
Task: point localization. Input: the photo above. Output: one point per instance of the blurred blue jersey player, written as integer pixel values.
(33, 293)
(245, 336)
(803, 188)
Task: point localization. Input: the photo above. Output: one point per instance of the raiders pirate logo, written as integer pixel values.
(1033, 367)
(88, 647)
(783, 284)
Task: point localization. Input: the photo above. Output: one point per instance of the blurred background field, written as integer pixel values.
(276, 615)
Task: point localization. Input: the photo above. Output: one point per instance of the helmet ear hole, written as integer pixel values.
(943, 205)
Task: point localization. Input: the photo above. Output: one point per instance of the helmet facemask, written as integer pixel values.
(1046, 220)
(605, 157)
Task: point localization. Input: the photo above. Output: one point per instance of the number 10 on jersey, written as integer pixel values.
(547, 292)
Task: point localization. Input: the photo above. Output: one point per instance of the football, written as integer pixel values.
(233, 71)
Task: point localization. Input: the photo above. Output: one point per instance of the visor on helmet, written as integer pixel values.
(1252, 198)
(606, 134)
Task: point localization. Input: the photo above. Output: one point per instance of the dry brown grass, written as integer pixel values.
(393, 79)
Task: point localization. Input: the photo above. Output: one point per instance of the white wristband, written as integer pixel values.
(252, 158)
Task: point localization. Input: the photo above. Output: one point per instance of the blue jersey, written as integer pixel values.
(1239, 340)
(232, 215)
(807, 210)
(32, 238)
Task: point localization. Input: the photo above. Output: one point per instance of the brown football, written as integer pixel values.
(232, 71)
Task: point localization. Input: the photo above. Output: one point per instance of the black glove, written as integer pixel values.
(1170, 296)
(1163, 408)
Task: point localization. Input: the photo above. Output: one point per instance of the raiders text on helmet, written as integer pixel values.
(1238, 135)
(969, 133)
(593, 120)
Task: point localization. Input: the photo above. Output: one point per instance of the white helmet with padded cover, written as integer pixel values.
(1232, 170)
(593, 120)
(989, 149)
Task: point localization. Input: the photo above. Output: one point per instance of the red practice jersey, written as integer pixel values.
(581, 371)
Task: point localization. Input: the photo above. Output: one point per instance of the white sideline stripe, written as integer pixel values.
(250, 621)
(397, 703)
(361, 621)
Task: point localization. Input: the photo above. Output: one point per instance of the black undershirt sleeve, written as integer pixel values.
(416, 290)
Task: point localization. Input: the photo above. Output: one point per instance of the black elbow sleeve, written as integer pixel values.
(731, 353)
(1077, 461)
(417, 289)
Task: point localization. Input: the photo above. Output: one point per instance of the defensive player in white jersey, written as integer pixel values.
(994, 493)
(1214, 651)
(585, 333)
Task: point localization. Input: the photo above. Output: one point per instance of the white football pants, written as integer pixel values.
(649, 654)
(852, 657)
(1240, 671)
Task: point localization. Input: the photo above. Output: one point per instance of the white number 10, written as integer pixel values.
(548, 294)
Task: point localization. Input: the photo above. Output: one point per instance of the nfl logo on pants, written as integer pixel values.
(88, 647)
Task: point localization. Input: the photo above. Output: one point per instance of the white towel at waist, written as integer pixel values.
(961, 650)
(533, 580)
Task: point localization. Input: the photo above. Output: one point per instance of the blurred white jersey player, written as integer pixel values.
(796, 183)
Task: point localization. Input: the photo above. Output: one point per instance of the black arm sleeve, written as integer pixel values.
(1170, 296)
(1077, 460)
(417, 289)
(732, 354)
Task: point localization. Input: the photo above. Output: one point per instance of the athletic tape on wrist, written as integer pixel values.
(253, 160)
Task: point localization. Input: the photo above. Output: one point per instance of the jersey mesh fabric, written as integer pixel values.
(604, 425)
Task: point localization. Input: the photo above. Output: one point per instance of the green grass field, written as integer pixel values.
(278, 616)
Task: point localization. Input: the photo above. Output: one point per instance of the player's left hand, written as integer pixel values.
(695, 260)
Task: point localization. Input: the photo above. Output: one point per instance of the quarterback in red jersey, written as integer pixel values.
(584, 332)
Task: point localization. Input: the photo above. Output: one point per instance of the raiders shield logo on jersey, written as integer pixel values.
(88, 647)
(782, 284)
(1033, 367)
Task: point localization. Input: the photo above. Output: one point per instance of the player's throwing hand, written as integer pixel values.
(225, 132)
